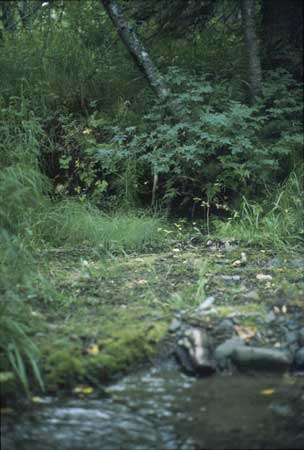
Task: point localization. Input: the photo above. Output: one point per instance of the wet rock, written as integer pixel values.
(261, 358)
(301, 337)
(291, 337)
(230, 277)
(225, 326)
(293, 348)
(299, 358)
(206, 304)
(223, 352)
(292, 325)
(175, 325)
(193, 352)
(270, 317)
(281, 410)
(281, 320)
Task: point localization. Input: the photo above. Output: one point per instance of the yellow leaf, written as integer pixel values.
(238, 262)
(37, 400)
(93, 349)
(245, 332)
(87, 390)
(82, 389)
(267, 391)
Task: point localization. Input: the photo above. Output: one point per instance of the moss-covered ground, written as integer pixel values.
(110, 315)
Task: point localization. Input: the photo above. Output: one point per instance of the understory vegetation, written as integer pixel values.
(89, 159)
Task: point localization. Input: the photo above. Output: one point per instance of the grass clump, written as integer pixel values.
(71, 223)
(277, 223)
(18, 352)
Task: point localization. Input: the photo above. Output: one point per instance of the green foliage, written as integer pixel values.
(220, 149)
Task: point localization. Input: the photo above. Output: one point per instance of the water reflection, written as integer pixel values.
(163, 409)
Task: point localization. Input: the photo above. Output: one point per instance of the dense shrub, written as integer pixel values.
(219, 150)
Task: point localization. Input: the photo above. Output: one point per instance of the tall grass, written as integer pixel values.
(71, 224)
(279, 222)
(18, 354)
(18, 351)
(29, 220)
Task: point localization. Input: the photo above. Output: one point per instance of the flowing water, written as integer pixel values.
(163, 409)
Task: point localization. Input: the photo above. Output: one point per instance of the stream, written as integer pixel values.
(163, 409)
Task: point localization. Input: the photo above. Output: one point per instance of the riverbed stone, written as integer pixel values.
(224, 351)
(225, 326)
(291, 337)
(175, 325)
(261, 358)
(281, 409)
(270, 317)
(230, 277)
(301, 337)
(193, 352)
(299, 358)
(206, 304)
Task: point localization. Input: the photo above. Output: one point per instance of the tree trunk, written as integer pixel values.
(251, 41)
(137, 50)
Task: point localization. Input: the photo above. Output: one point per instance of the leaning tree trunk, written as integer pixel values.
(251, 40)
(137, 50)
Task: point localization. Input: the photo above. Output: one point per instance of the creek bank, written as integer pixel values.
(255, 333)
(198, 355)
(202, 351)
(120, 311)
(112, 316)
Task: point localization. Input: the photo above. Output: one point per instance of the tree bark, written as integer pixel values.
(137, 50)
(252, 46)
